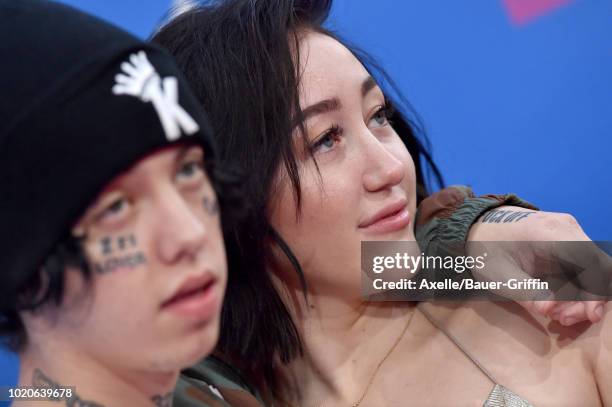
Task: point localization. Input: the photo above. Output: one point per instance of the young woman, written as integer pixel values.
(113, 266)
(327, 156)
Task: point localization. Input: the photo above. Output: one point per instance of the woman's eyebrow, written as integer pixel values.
(368, 84)
(324, 106)
(328, 105)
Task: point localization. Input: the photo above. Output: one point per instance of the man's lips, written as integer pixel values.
(196, 297)
(390, 218)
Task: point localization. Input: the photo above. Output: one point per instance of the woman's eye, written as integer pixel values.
(327, 141)
(380, 118)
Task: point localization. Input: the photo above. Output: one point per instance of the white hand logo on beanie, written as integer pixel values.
(142, 81)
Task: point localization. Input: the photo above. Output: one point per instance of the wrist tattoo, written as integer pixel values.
(503, 216)
(39, 379)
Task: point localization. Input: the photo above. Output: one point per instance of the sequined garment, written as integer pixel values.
(502, 397)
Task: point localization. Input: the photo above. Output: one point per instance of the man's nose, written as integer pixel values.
(181, 234)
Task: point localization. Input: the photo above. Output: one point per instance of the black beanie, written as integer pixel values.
(80, 102)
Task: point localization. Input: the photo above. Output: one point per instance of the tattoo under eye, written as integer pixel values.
(130, 261)
(111, 245)
(504, 216)
(106, 247)
(211, 205)
(119, 254)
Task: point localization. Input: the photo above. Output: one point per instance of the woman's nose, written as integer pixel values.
(382, 168)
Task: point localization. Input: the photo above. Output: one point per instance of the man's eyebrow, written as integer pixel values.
(368, 85)
(183, 150)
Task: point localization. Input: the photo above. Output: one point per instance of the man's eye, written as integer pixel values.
(114, 210)
(191, 170)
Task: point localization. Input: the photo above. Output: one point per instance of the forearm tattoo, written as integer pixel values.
(502, 216)
(39, 379)
(120, 252)
(211, 205)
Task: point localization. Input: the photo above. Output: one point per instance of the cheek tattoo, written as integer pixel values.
(211, 206)
(123, 241)
(105, 244)
(109, 246)
(119, 253)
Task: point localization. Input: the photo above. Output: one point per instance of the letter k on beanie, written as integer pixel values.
(80, 102)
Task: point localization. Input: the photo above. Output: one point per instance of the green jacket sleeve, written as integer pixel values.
(442, 225)
(448, 214)
(214, 383)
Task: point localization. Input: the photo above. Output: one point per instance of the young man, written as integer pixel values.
(113, 268)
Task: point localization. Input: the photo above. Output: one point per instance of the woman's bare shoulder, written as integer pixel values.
(536, 358)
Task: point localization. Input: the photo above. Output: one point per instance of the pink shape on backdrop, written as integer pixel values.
(523, 11)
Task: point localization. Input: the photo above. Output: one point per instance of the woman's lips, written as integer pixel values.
(200, 303)
(391, 223)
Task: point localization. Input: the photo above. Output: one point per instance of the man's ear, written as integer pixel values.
(34, 294)
(79, 230)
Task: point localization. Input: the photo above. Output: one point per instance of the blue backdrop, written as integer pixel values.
(515, 94)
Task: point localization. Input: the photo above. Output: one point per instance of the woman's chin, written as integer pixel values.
(406, 234)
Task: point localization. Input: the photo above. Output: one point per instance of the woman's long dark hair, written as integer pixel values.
(240, 57)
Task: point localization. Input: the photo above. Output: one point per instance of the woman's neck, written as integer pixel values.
(93, 383)
(344, 344)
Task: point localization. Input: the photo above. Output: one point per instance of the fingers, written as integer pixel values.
(568, 313)
(120, 90)
(129, 69)
(538, 307)
(122, 79)
(136, 59)
(594, 310)
(543, 307)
